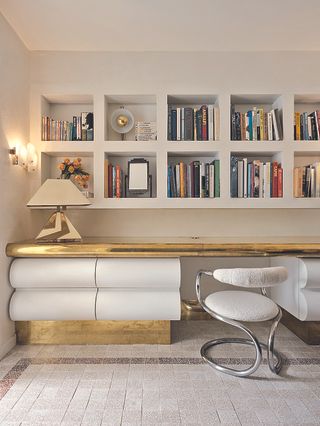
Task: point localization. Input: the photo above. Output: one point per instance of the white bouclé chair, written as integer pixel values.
(232, 306)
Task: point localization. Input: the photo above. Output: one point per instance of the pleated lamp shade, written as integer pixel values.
(58, 192)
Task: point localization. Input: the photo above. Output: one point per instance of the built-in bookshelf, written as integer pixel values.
(109, 148)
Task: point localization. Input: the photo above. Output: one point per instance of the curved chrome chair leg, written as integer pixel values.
(252, 341)
(271, 352)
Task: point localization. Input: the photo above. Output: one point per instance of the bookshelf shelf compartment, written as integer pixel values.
(189, 124)
(256, 175)
(306, 127)
(259, 123)
(189, 175)
(64, 108)
(121, 159)
(306, 175)
(142, 107)
(50, 166)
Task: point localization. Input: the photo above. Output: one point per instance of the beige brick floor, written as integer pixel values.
(159, 384)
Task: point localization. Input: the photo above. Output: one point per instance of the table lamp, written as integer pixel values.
(58, 193)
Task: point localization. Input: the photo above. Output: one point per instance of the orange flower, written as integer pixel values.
(78, 177)
(71, 169)
(66, 161)
(61, 166)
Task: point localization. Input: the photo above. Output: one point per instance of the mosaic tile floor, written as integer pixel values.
(159, 384)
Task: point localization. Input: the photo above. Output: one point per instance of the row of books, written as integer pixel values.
(80, 129)
(194, 180)
(146, 131)
(114, 181)
(306, 126)
(306, 181)
(193, 124)
(255, 179)
(256, 125)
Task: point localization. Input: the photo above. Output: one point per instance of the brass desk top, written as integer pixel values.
(172, 247)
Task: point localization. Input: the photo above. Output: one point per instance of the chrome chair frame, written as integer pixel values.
(273, 357)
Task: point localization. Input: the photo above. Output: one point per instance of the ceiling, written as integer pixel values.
(166, 25)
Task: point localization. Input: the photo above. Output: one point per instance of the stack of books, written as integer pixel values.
(114, 181)
(146, 131)
(306, 126)
(255, 179)
(307, 181)
(193, 124)
(256, 125)
(194, 180)
(81, 128)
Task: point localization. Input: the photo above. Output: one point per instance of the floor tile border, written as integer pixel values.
(11, 377)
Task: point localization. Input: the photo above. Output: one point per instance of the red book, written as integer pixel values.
(110, 195)
(204, 127)
(274, 179)
(280, 181)
(118, 181)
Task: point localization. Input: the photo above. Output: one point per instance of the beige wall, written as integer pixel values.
(14, 127)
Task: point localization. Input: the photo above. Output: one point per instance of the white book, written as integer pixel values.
(270, 135)
(245, 177)
(309, 128)
(317, 171)
(211, 180)
(240, 178)
(178, 124)
(267, 180)
(216, 113)
(182, 124)
(275, 125)
(210, 123)
(261, 183)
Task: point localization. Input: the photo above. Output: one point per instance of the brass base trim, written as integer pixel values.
(191, 310)
(93, 332)
(308, 331)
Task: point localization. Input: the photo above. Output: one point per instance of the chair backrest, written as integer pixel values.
(252, 277)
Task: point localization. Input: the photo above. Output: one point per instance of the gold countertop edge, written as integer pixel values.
(162, 249)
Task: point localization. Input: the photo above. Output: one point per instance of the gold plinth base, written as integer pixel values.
(93, 332)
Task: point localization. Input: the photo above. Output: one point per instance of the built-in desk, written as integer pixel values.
(148, 295)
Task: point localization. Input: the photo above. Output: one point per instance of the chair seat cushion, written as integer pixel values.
(242, 305)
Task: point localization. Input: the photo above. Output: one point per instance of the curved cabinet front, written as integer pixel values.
(300, 294)
(53, 304)
(39, 273)
(89, 288)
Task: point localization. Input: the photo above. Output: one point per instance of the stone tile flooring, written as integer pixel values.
(159, 384)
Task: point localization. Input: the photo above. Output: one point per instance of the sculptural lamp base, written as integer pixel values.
(58, 229)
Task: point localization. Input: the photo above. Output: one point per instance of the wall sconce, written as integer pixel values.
(26, 157)
(14, 156)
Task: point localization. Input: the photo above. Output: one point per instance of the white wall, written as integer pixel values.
(14, 128)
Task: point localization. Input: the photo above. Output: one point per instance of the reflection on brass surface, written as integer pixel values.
(191, 310)
(93, 332)
(154, 248)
